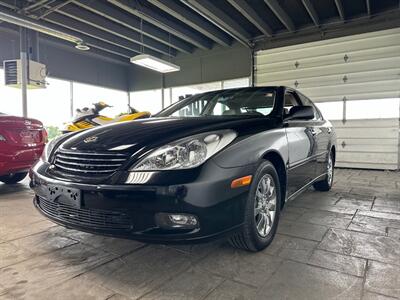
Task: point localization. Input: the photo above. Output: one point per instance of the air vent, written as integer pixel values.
(10, 72)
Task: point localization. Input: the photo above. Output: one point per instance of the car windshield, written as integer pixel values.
(234, 102)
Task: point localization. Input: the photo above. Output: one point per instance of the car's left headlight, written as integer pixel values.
(186, 153)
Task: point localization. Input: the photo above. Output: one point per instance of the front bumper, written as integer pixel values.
(129, 210)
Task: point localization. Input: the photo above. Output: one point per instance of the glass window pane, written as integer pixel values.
(258, 102)
(10, 98)
(150, 100)
(373, 109)
(184, 91)
(85, 95)
(331, 110)
(167, 97)
(52, 104)
(236, 83)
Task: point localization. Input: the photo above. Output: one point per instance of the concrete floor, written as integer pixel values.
(344, 244)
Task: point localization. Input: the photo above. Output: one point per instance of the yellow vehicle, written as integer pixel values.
(90, 117)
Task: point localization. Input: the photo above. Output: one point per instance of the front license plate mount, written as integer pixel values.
(64, 195)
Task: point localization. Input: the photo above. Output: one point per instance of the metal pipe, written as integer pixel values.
(54, 8)
(25, 22)
(252, 70)
(37, 4)
(71, 99)
(24, 70)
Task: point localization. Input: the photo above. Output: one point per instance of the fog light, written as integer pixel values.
(183, 219)
(176, 221)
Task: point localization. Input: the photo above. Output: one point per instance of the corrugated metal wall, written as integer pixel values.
(359, 67)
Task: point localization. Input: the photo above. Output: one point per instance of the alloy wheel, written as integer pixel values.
(330, 170)
(265, 205)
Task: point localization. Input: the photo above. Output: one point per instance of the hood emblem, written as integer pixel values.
(90, 139)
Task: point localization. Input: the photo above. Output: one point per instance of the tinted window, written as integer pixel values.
(236, 102)
(290, 101)
(307, 102)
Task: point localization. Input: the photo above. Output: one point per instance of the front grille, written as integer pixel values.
(88, 163)
(91, 218)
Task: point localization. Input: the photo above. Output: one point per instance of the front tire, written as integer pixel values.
(261, 211)
(13, 178)
(326, 184)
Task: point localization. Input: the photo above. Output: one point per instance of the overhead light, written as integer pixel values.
(154, 63)
(82, 46)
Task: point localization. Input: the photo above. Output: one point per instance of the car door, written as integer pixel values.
(302, 147)
(322, 132)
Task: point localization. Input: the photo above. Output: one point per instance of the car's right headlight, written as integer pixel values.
(186, 153)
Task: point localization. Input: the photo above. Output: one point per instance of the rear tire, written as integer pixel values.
(326, 184)
(262, 210)
(13, 178)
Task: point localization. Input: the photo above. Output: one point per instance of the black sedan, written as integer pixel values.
(221, 163)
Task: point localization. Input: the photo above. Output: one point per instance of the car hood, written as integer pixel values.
(142, 135)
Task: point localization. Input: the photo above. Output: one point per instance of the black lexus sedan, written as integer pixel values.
(221, 163)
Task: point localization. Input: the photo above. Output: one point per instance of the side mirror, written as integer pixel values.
(300, 113)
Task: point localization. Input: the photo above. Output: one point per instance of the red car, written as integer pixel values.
(22, 142)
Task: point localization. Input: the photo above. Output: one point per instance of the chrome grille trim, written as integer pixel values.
(88, 163)
(93, 159)
(80, 164)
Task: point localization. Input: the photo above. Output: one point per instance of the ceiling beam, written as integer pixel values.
(104, 55)
(54, 8)
(164, 23)
(116, 15)
(281, 14)
(35, 6)
(75, 12)
(8, 5)
(94, 52)
(69, 24)
(340, 9)
(220, 18)
(246, 10)
(187, 16)
(311, 11)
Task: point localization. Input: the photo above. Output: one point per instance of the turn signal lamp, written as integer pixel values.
(242, 181)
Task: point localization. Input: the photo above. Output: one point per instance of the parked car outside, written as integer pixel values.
(22, 141)
(216, 164)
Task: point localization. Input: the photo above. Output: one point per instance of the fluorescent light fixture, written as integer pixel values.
(154, 63)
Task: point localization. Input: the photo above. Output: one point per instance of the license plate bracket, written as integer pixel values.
(64, 195)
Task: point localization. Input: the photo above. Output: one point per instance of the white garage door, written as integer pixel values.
(355, 81)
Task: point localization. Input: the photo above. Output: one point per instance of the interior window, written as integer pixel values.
(290, 101)
(237, 102)
(307, 102)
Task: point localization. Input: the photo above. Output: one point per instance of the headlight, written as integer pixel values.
(186, 153)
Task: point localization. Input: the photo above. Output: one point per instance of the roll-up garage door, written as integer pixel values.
(355, 80)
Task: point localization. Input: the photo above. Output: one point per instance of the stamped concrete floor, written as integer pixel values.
(344, 244)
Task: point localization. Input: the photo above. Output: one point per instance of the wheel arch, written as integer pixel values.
(333, 151)
(276, 159)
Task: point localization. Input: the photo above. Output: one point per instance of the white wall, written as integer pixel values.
(354, 80)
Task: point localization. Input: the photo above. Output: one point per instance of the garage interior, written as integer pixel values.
(344, 55)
